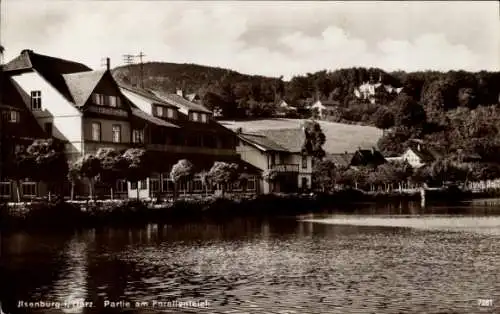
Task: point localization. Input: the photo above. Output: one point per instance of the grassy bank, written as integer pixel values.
(67, 215)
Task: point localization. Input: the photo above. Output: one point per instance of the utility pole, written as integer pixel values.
(129, 59)
(141, 55)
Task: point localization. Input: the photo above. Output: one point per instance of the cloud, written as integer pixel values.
(268, 38)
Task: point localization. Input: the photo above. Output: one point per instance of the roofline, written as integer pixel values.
(260, 147)
(153, 98)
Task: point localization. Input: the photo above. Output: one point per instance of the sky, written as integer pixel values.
(271, 38)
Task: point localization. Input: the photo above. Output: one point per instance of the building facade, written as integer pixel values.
(87, 110)
(278, 153)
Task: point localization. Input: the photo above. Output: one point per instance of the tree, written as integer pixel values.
(384, 119)
(136, 165)
(314, 140)
(50, 161)
(325, 175)
(89, 167)
(408, 112)
(182, 170)
(112, 167)
(73, 177)
(223, 174)
(21, 167)
(392, 143)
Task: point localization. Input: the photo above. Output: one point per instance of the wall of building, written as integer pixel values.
(106, 129)
(56, 109)
(252, 155)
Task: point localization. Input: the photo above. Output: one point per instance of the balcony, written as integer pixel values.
(285, 168)
(109, 111)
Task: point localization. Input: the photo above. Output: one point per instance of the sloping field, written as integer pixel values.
(339, 137)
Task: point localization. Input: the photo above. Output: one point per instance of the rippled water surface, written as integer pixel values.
(442, 260)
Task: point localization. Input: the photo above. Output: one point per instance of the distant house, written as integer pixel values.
(323, 107)
(361, 157)
(278, 151)
(370, 89)
(283, 108)
(417, 154)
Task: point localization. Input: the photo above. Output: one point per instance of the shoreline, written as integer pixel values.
(65, 215)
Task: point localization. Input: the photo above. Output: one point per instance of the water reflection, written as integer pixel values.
(330, 263)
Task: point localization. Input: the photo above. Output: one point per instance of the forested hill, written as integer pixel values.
(241, 95)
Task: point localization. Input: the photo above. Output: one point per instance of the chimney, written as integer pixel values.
(108, 64)
(180, 92)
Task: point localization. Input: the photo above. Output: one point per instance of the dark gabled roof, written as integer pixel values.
(182, 102)
(82, 84)
(182, 120)
(343, 160)
(149, 95)
(261, 142)
(50, 68)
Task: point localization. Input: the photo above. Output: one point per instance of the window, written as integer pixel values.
(197, 185)
(143, 184)
(304, 162)
(14, 116)
(194, 115)
(28, 188)
(204, 117)
(251, 184)
(159, 111)
(96, 131)
(273, 159)
(155, 185)
(99, 99)
(133, 185)
(168, 185)
(19, 148)
(121, 186)
(117, 133)
(138, 136)
(113, 101)
(5, 189)
(305, 183)
(170, 113)
(36, 100)
(48, 128)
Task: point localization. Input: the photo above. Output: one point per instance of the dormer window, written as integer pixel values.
(194, 116)
(159, 111)
(170, 113)
(36, 100)
(114, 101)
